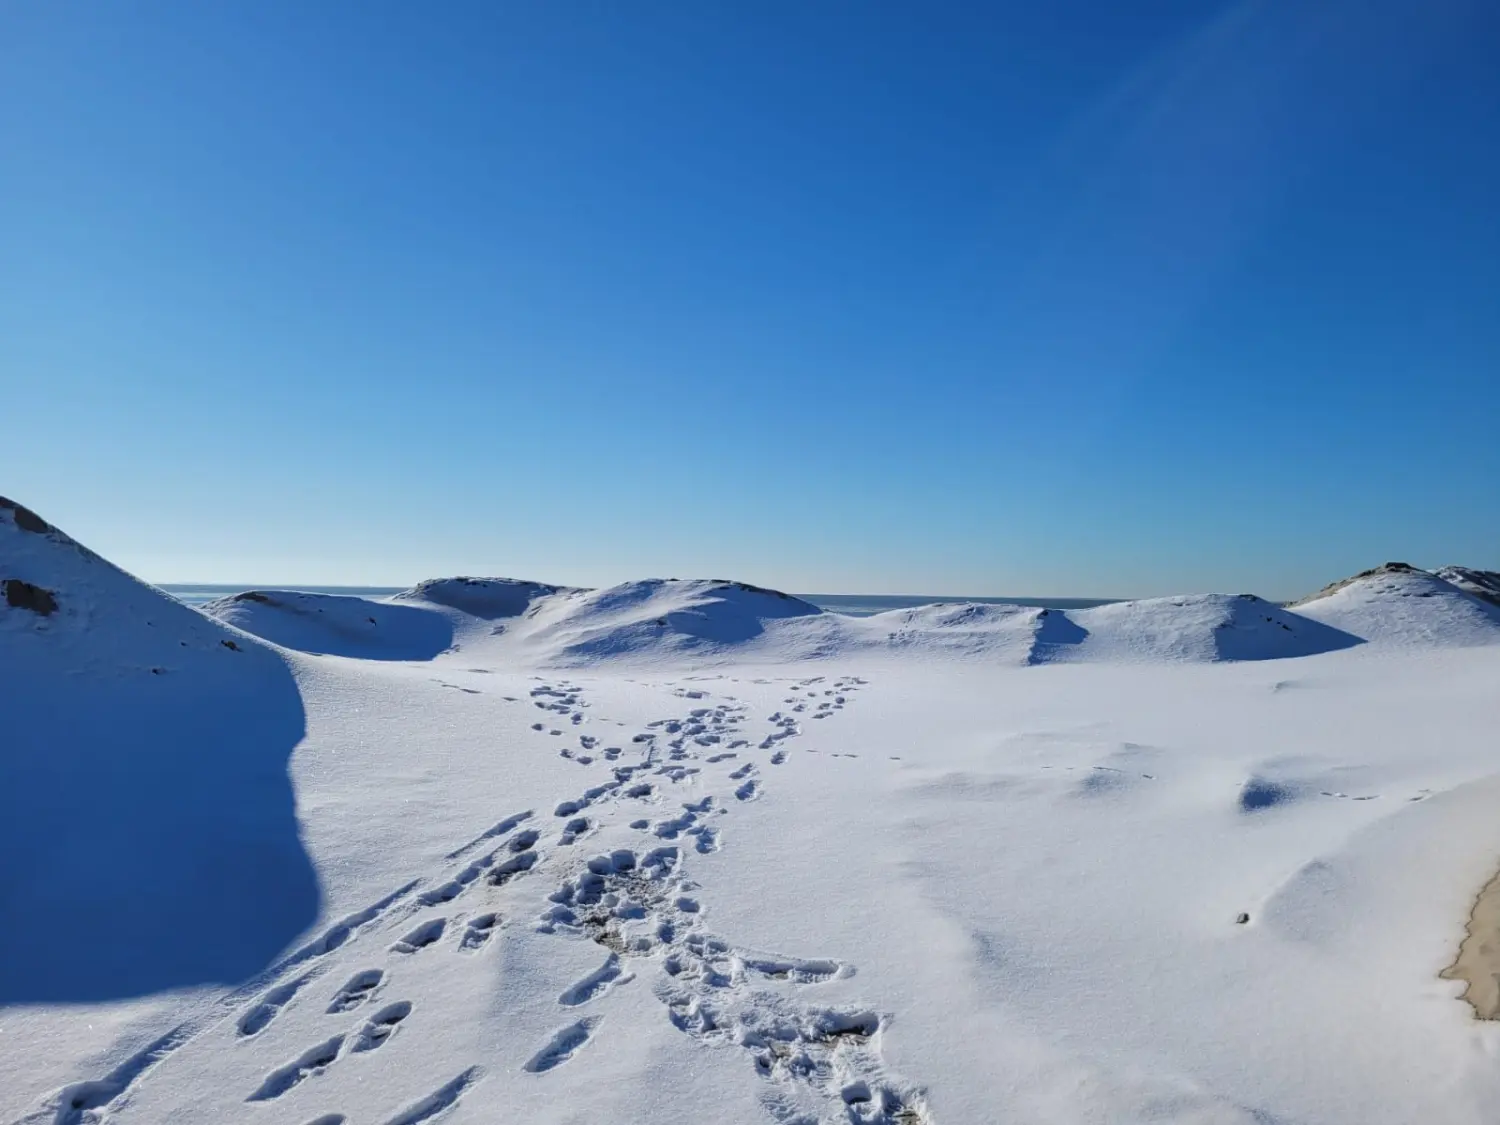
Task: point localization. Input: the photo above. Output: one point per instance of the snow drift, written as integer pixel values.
(144, 781)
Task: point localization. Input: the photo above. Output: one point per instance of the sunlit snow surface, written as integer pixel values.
(691, 852)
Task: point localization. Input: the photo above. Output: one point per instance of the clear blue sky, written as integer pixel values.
(1088, 298)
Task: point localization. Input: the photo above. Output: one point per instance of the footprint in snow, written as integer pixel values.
(514, 866)
(381, 1026)
(360, 987)
(440, 1100)
(563, 1045)
(260, 1016)
(597, 983)
(421, 937)
(313, 1061)
(477, 932)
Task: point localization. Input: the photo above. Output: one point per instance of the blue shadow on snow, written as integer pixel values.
(148, 828)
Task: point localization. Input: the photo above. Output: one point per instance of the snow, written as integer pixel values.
(333, 624)
(144, 800)
(1398, 604)
(680, 851)
(1483, 584)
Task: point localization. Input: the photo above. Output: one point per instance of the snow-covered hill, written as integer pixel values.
(145, 807)
(489, 599)
(343, 626)
(1398, 604)
(1202, 628)
(670, 621)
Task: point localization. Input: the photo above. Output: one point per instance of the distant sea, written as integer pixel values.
(854, 605)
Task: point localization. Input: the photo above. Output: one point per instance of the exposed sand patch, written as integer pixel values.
(1478, 961)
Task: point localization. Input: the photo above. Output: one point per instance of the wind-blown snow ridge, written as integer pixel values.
(144, 777)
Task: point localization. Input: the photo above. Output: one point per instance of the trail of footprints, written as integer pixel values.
(821, 1063)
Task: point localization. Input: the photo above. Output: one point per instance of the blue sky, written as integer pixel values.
(1081, 298)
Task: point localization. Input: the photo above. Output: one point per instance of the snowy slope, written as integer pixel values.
(1399, 604)
(1483, 584)
(488, 599)
(143, 784)
(658, 617)
(328, 623)
(1200, 627)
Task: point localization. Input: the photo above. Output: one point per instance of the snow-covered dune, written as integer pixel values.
(1199, 628)
(342, 626)
(488, 599)
(1402, 605)
(146, 815)
(664, 621)
(659, 617)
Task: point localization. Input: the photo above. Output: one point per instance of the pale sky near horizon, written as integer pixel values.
(1069, 299)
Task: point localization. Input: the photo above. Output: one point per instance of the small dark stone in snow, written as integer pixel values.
(23, 595)
(1242, 919)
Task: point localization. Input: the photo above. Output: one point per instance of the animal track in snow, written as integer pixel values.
(360, 987)
(563, 1045)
